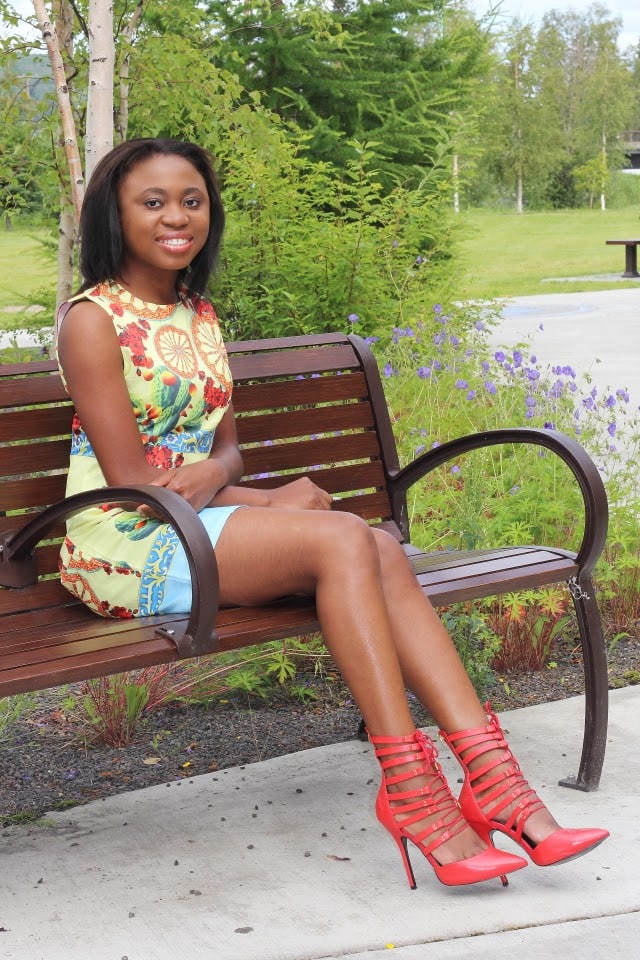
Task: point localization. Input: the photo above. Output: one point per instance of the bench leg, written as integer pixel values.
(596, 689)
(631, 261)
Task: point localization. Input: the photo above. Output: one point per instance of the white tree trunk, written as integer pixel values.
(66, 247)
(603, 198)
(456, 184)
(64, 105)
(519, 193)
(126, 43)
(99, 135)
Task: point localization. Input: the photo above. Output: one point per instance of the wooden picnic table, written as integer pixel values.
(630, 256)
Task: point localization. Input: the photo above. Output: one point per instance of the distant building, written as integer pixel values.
(630, 142)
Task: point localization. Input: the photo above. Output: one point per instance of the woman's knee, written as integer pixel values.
(351, 540)
(393, 559)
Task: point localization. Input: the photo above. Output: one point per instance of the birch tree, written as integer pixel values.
(99, 132)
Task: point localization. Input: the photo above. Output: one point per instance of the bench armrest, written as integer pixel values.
(18, 565)
(570, 451)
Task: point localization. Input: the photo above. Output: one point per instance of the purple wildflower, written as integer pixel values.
(353, 318)
(490, 386)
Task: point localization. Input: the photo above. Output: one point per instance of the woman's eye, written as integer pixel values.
(192, 202)
(152, 204)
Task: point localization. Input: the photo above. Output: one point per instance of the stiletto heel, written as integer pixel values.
(415, 756)
(491, 788)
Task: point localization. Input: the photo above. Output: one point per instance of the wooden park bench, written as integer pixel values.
(309, 403)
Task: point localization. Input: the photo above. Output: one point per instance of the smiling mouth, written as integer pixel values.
(176, 243)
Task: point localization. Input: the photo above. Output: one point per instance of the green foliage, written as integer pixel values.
(618, 575)
(476, 643)
(527, 624)
(560, 95)
(252, 671)
(13, 709)
(391, 72)
(110, 708)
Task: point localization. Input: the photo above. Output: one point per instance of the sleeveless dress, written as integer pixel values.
(118, 562)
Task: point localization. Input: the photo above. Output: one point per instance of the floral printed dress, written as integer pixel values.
(176, 370)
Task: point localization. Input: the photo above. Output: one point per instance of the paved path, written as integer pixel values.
(597, 333)
(284, 860)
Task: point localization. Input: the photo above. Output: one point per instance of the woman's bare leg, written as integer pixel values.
(429, 662)
(263, 554)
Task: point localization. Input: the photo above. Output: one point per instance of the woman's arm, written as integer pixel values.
(91, 360)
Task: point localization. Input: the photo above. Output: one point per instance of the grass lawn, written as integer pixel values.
(509, 254)
(27, 269)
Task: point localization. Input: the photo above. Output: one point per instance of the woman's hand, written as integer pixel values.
(197, 482)
(301, 494)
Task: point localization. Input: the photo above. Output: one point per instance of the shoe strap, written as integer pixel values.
(411, 806)
(495, 793)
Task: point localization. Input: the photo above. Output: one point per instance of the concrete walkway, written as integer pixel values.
(597, 333)
(284, 860)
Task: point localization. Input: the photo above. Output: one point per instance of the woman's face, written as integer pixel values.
(164, 215)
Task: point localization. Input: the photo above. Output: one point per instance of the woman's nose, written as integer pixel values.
(175, 213)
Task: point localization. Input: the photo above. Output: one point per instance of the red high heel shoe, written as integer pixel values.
(487, 791)
(417, 755)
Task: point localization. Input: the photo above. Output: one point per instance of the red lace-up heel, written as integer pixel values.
(491, 789)
(414, 756)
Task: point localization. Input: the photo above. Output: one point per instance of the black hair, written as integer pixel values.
(101, 243)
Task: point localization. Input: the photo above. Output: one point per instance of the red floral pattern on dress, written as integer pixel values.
(162, 457)
(134, 336)
(214, 396)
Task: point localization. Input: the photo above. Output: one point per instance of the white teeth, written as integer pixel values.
(176, 242)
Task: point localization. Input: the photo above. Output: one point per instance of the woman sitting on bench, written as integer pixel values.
(142, 358)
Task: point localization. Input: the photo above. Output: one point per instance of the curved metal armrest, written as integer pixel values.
(575, 456)
(18, 567)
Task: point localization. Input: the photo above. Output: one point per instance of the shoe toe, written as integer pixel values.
(566, 845)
